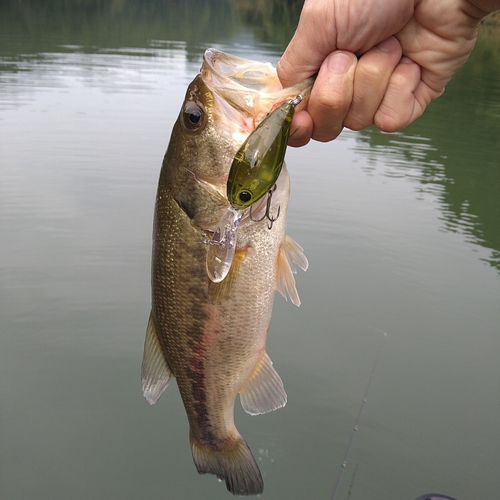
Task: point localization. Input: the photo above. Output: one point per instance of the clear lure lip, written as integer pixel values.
(223, 245)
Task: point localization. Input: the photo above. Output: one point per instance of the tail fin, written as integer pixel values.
(235, 465)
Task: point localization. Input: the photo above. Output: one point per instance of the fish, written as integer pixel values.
(211, 336)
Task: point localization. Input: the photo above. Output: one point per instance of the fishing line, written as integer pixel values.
(356, 424)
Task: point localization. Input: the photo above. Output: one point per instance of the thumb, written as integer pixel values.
(306, 51)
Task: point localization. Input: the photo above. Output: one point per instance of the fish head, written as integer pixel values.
(244, 92)
(224, 104)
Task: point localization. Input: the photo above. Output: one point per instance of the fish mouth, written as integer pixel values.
(252, 87)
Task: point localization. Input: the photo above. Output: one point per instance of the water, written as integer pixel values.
(401, 232)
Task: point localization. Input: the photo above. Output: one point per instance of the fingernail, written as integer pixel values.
(388, 45)
(339, 62)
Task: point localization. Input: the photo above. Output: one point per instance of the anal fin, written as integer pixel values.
(264, 390)
(156, 374)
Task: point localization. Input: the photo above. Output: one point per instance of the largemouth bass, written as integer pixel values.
(212, 336)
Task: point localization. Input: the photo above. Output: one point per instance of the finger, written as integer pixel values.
(326, 25)
(371, 78)
(331, 95)
(399, 106)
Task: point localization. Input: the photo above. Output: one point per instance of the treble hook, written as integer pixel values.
(267, 214)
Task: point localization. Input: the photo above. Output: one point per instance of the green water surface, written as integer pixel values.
(402, 232)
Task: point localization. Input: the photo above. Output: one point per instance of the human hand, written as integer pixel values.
(408, 51)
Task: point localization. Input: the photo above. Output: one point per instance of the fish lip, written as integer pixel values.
(250, 86)
(226, 68)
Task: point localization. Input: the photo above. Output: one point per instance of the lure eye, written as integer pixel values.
(245, 196)
(194, 116)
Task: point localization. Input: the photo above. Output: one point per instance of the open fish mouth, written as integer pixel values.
(252, 87)
(226, 70)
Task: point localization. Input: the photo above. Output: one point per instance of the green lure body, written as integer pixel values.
(257, 164)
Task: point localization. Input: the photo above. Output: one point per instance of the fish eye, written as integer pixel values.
(245, 196)
(194, 116)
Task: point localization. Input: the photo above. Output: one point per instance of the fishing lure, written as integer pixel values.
(223, 245)
(258, 162)
(254, 172)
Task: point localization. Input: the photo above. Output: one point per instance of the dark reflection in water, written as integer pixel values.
(36, 36)
(273, 21)
(93, 24)
(454, 151)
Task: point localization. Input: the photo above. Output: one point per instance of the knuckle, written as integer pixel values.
(399, 80)
(331, 103)
(389, 120)
(326, 134)
(356, 123)
(373, 72)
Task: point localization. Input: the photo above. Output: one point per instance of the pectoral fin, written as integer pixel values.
(295, 254)
(156, 374)
(290, 256)
(220, 292)
(264, 390)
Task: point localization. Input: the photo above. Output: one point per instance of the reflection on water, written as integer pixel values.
(40, 26)
(453, 152)
(272, 21)
(394, 226)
